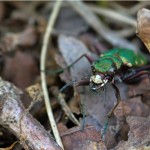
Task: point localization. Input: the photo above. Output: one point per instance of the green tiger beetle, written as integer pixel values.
(124, 64)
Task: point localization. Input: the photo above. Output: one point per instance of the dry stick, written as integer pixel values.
(32, 134)
(64, 105)
(67, 110)
(133, 10)
(118, 7)
(120, 18)
(113, 15)
(125, 32)
(98, 26)
(42, 67)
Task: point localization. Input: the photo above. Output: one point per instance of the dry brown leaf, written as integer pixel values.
(76, 139)
(133, 106)
(26, 38)
(139, 135)
(139, 89)
(21, 69)
(65, 76)
(35, 92)
(143, 26)
(70, 23)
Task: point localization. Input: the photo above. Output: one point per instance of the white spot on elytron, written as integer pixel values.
(129, 64)
(136, 62)
(125, 61)
(142, 61)
(96, 79)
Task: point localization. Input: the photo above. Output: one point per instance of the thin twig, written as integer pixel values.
(99, 27)
(113, 15)
(125, 32)
(42, 67)
(64, 105)
(132, 10)
(136, 7)
(67, 110)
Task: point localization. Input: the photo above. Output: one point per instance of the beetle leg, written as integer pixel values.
(117, 94)
(135, 73)
(61, 70)
(77, 95)
(90, 60)
(84, 82)
(138, 75)
(76, 84)
(66, 85)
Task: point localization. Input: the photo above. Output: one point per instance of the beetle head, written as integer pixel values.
(97, 82)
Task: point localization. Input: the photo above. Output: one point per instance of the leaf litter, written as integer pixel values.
(21, 30)
(95, 106)
(98, 106)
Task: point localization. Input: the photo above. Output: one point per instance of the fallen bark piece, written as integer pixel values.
(15, 118)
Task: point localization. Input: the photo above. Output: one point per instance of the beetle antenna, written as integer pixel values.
(67, 85)
(82, 82)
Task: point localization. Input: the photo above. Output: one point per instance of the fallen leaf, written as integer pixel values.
(65, 76)
(21, 69)
(143, 26)
(140, 88)
(139, 135)
(78, 139)
(69, 22)
(133, 106)
(71, 49)
(26, 38)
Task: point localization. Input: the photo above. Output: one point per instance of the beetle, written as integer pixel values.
(124, 64)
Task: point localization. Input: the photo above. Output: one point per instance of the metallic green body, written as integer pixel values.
(114, 59)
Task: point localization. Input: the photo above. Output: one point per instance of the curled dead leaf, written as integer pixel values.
(143, 26)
